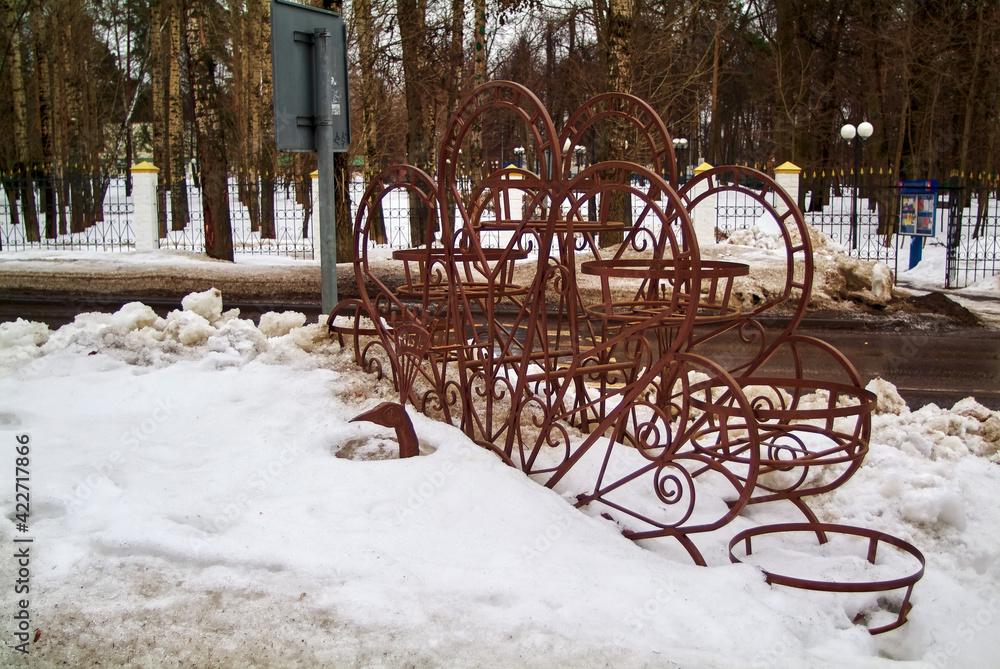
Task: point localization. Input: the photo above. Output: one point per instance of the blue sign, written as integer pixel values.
(918, 207)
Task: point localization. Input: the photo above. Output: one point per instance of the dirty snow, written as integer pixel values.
(838, 279)
(189, 506)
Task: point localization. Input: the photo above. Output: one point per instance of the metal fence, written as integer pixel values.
(395, 214)
(72, 210)
(967, 222)
(78, 211)
(973, 235)
(867, 239)
(278, 225)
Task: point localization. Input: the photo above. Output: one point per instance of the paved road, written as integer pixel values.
(940, 366)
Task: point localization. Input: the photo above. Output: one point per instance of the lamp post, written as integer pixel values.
(519, 152)
(681, 144)
(856, 136)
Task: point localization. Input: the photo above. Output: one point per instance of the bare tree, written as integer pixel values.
(201, 23)
(22, 159)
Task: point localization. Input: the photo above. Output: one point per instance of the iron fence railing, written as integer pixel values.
(70, 210)
(79, 211)
(833, 219)
(967, 222)
(281, 224)
(973, 235)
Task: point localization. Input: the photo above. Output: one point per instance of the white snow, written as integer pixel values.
(930, 271)
(274, 324)
(881, 285)
(889, 399)
(48, 258)
(207, 304)
(199, 496)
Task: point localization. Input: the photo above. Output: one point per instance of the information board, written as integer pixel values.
(918, 207)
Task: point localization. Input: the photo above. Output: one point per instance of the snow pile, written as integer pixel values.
(881, 286)
(837, 276)
(208, 505)
(207, 304)
(21, 341)
(756, 237)
(210, 500)
(889, 400)
(987, 286)
(273, 324)
(968, 428)
(931, 478)
(137, 335)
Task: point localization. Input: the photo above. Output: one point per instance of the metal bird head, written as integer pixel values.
(386, 414)
(392, 414)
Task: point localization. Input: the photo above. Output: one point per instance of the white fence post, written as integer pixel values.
(705, 212)
(144, 225)
(788, 175)
(314, 208)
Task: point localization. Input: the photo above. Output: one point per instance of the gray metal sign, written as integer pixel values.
(294, 29)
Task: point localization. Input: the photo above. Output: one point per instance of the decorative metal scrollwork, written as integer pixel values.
(579, 363)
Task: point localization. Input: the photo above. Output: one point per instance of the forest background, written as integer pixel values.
(88, 87)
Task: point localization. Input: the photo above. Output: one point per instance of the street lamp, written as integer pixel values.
(519, 152)
(857, 137)
(681, 144)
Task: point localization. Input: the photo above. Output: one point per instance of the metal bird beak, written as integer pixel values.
(384, 414)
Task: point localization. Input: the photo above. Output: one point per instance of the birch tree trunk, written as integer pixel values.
(477, 157)
(264, 130)
(60, 99)
(43, 76)
(158, 93)
(972, 100)
(242, 27)
(456, 52)
(715, 127)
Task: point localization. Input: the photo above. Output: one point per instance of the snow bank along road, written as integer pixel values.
(199, 498)
(927, 365)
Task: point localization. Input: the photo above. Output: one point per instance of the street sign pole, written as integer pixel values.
(324, 157)
(311, 109)
(916, 251)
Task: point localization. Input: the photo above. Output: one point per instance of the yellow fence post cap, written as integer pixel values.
(145, 167)
(787, 167)
(704, 167)
(314, 174)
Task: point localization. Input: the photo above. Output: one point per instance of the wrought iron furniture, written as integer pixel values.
(578, 360)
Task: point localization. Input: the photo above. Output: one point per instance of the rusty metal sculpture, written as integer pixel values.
(604, 391)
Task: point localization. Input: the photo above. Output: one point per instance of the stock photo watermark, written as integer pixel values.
(133, 439)
(22, 545)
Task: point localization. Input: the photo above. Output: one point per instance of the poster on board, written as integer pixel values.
(917, 207)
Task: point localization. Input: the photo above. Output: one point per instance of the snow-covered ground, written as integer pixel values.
(189, 507)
